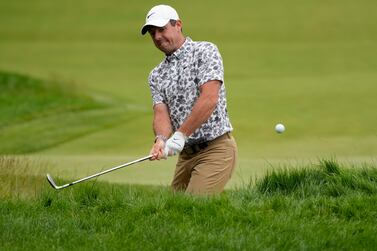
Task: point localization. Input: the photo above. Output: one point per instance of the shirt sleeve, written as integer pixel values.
(157, 96)
(210, 64)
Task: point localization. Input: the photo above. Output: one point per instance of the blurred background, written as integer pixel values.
(74, 91)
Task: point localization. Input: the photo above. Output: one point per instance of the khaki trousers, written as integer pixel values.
(208, 170)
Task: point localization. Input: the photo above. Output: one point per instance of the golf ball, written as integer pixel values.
(279, 128)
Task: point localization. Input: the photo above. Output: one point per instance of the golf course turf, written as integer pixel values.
(74, 100)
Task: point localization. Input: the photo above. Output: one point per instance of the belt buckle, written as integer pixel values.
(189, 150)
(196, 148)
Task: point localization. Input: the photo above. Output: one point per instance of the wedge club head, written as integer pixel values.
(53, 184)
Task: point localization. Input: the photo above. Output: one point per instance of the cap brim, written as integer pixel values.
(156, 22)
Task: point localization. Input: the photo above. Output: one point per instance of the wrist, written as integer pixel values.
(160, 137)
(182, 134)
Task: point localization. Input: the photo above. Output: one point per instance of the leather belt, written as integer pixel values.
(195, 148)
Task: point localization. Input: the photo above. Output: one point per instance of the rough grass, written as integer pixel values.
(328, 179)
(19, 177)
(323, 207)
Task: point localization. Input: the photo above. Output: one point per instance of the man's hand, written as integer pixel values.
(175, 144)
(158, 150)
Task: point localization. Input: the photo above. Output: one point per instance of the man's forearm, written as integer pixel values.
(202, 110)
(161, 121)
(162, 127)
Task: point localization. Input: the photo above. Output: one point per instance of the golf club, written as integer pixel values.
(53, 184)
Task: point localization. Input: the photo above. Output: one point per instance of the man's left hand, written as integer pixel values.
(175, 144)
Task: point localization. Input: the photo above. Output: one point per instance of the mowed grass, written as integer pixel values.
(310, 65)
(38, 114)
(319, 207)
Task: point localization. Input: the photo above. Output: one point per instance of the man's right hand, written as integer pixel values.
(158, 150)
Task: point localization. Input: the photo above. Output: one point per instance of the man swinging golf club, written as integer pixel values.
(189, 103)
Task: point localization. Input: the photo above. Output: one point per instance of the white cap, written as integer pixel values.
(159, 16)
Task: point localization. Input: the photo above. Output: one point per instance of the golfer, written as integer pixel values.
(190, 110)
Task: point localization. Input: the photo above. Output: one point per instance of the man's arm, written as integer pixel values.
(203, 107)
(162, 128)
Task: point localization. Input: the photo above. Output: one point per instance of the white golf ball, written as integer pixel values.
(279, 128)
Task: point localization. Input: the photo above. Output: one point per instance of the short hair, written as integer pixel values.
(173, 22)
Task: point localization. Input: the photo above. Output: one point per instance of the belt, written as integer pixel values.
(195, 148)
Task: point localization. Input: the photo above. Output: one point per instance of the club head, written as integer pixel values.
(51, 181)
(53, 184)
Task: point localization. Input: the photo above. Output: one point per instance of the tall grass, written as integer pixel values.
(286, 210)
(20, 177)
(327, 179)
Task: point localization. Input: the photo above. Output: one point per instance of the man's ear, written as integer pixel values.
(179, 24)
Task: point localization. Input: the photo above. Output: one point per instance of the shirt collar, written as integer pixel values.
(180, 53)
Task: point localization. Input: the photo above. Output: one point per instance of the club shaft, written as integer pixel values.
(107, 171)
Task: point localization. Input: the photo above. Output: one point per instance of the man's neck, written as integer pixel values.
(179, 45)
(181, 42)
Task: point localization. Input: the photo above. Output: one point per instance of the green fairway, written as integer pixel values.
(310, 65)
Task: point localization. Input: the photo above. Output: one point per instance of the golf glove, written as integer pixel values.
(175, 144)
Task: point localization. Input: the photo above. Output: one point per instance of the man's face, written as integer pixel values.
(167, 38)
